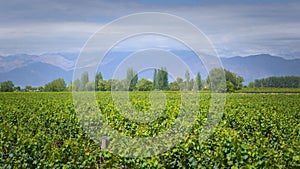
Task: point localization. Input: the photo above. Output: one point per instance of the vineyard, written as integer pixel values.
(43, 130)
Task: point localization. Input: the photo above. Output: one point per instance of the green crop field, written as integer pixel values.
(42, 130)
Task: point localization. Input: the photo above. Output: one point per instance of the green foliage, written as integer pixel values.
(29, 88)
(216, 79)
(187, 80)
(90, 86)
(236, 81)
(103, 85)
(132, 79)
(57, 85)
(160, 79)
(198, 81)
(229, 86)
(270, 90)
(83, 81)
(180, 83)
(76, 85)
(144, 85)
(40, 88)
(118, 85)
(256, 131)
(251, 85)
(174, 86)
(43, 132)
(278, 82)
(98, 78)
(155, 79)
(17, 88)
(7, 86)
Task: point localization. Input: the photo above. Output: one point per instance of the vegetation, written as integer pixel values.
(41, 130)
(7, 86)
(132, 83)
(161, 82)
(131, 79)
(144, 85)
(233, 81)
(269, 90)
(57, 85)
(198, 81)
(277, 82)
(160, 79)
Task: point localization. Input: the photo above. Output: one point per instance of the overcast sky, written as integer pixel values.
(233, 27)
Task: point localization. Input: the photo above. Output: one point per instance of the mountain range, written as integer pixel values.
(37, 70)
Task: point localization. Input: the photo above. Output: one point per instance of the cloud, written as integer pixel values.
(46, 37)
(240, 29)
(62, 11)
(234, 27)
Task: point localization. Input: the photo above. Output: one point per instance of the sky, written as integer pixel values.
(234, 28)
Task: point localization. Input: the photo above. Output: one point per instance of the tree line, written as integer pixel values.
(276, 82)
(160, 81)
(54, 86)
(132, 82)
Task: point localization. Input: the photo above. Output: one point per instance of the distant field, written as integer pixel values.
(256, 131)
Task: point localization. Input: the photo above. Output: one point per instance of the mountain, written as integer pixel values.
(261, 66)
(35, 74)
(37, 70)
(34, 70)
(8, 63)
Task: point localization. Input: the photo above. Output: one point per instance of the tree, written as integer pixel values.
(180, 83)
(251, 85)
(40, 88)
(144, 85)
(29, 88)
(98, 78)
(187, 80)
(70, 87)
(17, 88)
(239, 83)
(84, 80)
(217, 80)
(229, 86)
(165, 79)
(162, 79)
(191, 85)
(174, 86)
(90, 86)
(57, 85)
(103, 85)
(7, 86)
(198, 81)
(117, 85)
(236, 80)
(111, 85)
(155, 79)
(278, 82)
(132, 79)
(76, 85)
(216, 75)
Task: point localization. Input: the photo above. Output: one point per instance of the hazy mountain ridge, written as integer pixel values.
(8, 63)
(35, 74)
(37, 70)
(261, 66)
